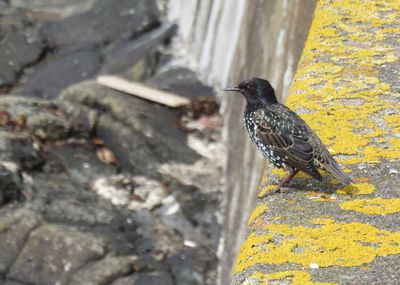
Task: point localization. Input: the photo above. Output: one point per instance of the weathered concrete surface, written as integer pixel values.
(346, 88)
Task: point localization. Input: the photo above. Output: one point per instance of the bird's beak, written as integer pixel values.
(232, 89)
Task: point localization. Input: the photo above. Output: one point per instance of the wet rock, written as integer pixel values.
(19, 149)
(104, 271)
(16, 52)
(15, 226)
(107, 21)
(50, 78)
(10, 186)
(127, 54)
(134, 129)
(52, 252)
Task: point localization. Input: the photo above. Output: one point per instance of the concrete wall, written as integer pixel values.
(346, 88)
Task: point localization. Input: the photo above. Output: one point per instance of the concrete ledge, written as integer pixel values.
(347, 89)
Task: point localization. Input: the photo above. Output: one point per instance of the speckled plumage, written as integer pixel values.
(282, 136)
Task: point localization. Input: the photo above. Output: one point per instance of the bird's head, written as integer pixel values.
(256, 90)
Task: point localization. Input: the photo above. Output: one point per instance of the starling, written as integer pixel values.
(282, 136)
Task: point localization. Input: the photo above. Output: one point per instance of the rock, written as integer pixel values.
(126, 54)
(50, 78)
(131, 192)
(15, 226)
(47, 126)
(51, 8)
(107, 21)
(182, 81)
(186, 267)
(10, 186)
(147, 271)
(148, 278)
(16, 52)
(81, 163)
(141, 134)
(11, 283)
(52, 252)
(73, 211)
(19, 149)
(104, 271)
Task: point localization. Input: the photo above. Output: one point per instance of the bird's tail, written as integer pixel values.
(334, 168)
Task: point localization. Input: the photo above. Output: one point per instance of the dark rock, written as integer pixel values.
(53, 252)
(49, 79)
(187, 267)
(141, 134)
(79, 212)
(146, 278)
(81, 163)
(199, 208)
(184, 82)
(10, 186)
(11, 282)
(107, 21)
(15, 226)
(147, 272)
(104, 271)
(19, 149)
(181, 81)
(128, 53)
(16, 52)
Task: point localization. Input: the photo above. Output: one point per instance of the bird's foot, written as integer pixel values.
(275, 190)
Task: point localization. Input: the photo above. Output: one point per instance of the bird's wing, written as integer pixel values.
(286, 135)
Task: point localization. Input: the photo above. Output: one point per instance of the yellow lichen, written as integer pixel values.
(322, 221)
(376, 206)
(265, 191)
(340, 244)
(357, 189)
(295, 277)
(257, 212)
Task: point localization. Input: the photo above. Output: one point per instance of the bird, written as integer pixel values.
(282, 136)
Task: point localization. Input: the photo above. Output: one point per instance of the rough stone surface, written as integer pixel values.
(41, 254)
(16, 52)
(105, 22)
(131, 127)
(80, 212)
(49, 79)
(104, 271)
(15, 227)
(10, 186)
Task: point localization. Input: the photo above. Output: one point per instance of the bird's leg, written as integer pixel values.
(287, 179)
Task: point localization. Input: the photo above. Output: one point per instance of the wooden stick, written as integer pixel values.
(142, 91)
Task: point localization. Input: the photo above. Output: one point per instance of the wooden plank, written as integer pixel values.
(142, 91)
